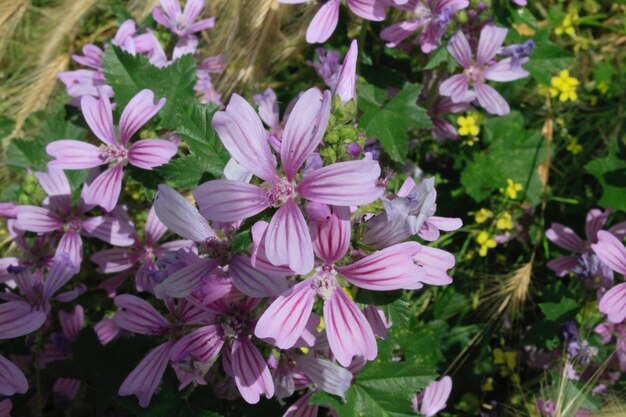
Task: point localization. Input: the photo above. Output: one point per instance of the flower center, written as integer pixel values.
(216, 248)
(421, 11)
(474, 75)
(73, 225)
(113, 153)
(325, 282)
(280, 192)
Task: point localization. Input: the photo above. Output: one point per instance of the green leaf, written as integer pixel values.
(547, 59)
(561, 311)
(185, 172)
(398, 312)
(377, 298)
(389, 121)
(441, 55)
(129, 74)
(380, 389)
(6, 126)
(241, 241)
(610, 171)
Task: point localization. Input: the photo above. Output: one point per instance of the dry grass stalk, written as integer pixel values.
(11, 13)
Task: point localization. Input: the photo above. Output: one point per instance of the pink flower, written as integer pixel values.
(348, 331)
(325, 20)
(114, 152)
(471, 84)
(433, 399)
(59, 216)
(346, 82)
(287, 241)
(433, 15)
(12, 379)
(182, 22)
(613, 253)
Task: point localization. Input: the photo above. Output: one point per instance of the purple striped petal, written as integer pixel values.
(460, 50)
(563, 265)
(349, 334)
(285, 319)
(288, 241)
(74, 154)
(373, 10)
(346, 82)
(154, 229)
(435, 396)
(201, 25)
(326, 375)
(230, 201)
(457, 88)
(202, 344)
(253, 282)
(389, 269)
(565, 238)
(436, 263)
(67, 388)
(268, 108)
(182, 282)
(109, 229)
(242, 133)
(17, 318)
(105, 190)
(611, 251)
(331, 239)
(398, 32)
(37, 219)
(12, 379)
(259, 257)
(99, 116)
(376, 318)
(106, 330)
(180, 216)
(56, 185)
(71, 244)
(252, 375)
(151, 153)
(323, 23)
(145, 378)
(491, 100)
(61, 271)
(6, 406)
(139, 110)
(113, 260)
(596, 219)
(613, 303)
(350, 183)
(491, 39)
(505, 71)
(304, 130)
(302, 408)
(138, 316)
(72, 322)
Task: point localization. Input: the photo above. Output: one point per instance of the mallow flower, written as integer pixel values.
(288, 241)
(478, 69)
(431, 15)
(433, 399)
(325, 20)
(613, 253)
(12, 379)
(115, 151)
(182, 22)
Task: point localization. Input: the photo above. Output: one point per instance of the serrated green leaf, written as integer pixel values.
(128, 74)
(398, 312)
(185, 172)
(610, 171)
(389, 121)
(561, 311)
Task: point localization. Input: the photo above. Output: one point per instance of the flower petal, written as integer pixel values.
(182, 282)
(251, 372)
(203, 344)
(565, 238)
(398, 32)
(491, 100)
(253, 282)
(460, 49)
(154, 229)
(285, 319)
(56, 185)
(139, 110)
(373, 10)
(12, 379)
(17, 318)
(326, 375)
(113, 260)
(613, 303)
(563, 265)
(323, 23)
(61, 271)
(242, 133)
(611, 251)
(349, 183)
(150, 153)
(72, 244)
(349, 334)
(37, 219)
(99, 116)
(331, 239)
(180, 216)
(596, 219)
(109, 229)
(457, 88)
(304, 130)
(73, 154)
(138, 316)
(435, 396)
(288, 241)
(105, 190)
(491, 39)
(230, 201)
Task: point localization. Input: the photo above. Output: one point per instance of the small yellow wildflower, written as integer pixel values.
(505, 221)
(486, 242)
(304, 350)
(482, 215)
(603, 87)
(468, 126)
(508, 360)
(512, 188)
(567, 26)
(574, 146)
(564, 86)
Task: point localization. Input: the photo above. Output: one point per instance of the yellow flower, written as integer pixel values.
(574, 146)
(486, 242)
(468, 125)
(512, 188)
(603, 87)
(567, 26)
(505, 221)
(304, 350)
(564, 86)
(482, 215)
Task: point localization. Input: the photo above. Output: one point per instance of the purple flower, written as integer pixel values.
(204, 85)
(348, 331)
(433, 15)
(613, 253)
(114, 152)
(59, 216)
(325, 20)
(142, 254)
(346, 82)
(433, 399)
(27, 312)
(287, 241)
(471, 84)
(585, 263)
(328, 66)
(182, 22)
(443, 129)
(12, 379)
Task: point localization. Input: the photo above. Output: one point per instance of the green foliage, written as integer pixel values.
(610, 171)
(561, 311)
(547, 59)
(389, 120)
(129, 74)
(380, 389)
